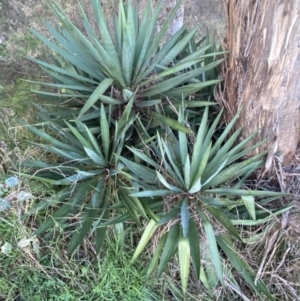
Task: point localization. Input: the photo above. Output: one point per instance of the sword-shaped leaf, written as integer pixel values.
(250, 205)
(198, 147)
(103, 86)
(139, 170)
(193, 104)
(216, 172)
(164, 149)
(131, 209)
(171, 123)
(47, 137)
(128, 46)
(67, 73)
(187, 172)
(127, 114)
(228, 191)
(90, 216)
(151, 193)
(105, 136)
(166, 184)
(144, 157)
(223, 152)
(178, 47)
(169, 86)
(224, 134)
(212, 244)
(193, 237)
(184, 262)
(185, 217)
(224, 175)
(135, 202)
(79, 234)
(244, 222)
(98, 193)
(173, 214)
(152, 43)
(106, 38)
(169, 249)
(145, 38)
(95, 157)
(146, 236)
(79, 136)
(183, 143)
(156, 255)
(196, 187)
(190, 89)
(224, 220)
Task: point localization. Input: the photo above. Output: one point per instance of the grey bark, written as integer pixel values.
(263, 72)
(177, 22)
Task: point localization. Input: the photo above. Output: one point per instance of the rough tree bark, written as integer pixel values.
(263, 74)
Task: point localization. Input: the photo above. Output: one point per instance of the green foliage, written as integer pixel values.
(108, 67)
(135, 143)
(191, 168)
(54, 276)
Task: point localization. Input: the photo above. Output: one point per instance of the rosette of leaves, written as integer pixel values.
(96, 183)
(100, 66)
(134, 144)
(175, 178)
(200, 185)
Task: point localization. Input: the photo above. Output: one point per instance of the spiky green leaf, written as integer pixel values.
(169, 249)
(147, 235)
(194, 246)
(184, 262)
(185, 217)
(212, 244)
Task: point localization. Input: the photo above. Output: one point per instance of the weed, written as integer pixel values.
(50, 275)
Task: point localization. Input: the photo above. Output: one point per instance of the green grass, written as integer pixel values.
(39, 269)
(46, 273)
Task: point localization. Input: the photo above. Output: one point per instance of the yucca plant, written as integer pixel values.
(104, 67)
(92, 173)
(181, 180)
(196, 177)
(134, 145)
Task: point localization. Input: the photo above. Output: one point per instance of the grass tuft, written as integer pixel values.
(42, 271)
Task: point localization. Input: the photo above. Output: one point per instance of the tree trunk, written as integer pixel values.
(263, 74)
(177, 22)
